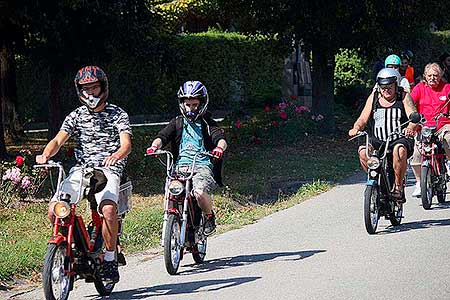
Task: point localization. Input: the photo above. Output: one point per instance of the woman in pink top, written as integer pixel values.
(431, 98)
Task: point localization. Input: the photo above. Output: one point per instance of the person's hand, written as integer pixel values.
(111, 160)
(41, 159)
(217, 152)
(352, 132)
(151, 150)
(408, 132)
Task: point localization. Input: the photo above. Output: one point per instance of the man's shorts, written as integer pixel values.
(443, 135)
(202, 180)
(71, 185)
(408, 143)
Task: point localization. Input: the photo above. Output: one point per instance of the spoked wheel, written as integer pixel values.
(55, 282)
(397, 214)
(371, 208)
(426, 187)
(172, 248)
(199, 250)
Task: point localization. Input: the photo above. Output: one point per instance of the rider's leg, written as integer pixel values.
(400, 164)
(416, 165)
(204, 201)
(110, 225)
(363, 157)
(203, 182)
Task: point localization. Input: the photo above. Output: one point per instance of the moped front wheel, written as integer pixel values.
(371, 208)
(172, 247)
(426, 187)
(55, 281)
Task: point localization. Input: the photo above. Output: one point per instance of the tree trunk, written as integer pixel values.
(3, 153)
(54, 108)
(323, 85)
(10, 118)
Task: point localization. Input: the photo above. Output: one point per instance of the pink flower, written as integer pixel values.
(267, 108)
(274, 123)
(26, 182)
(276, 107)
(302, 108)
(283, 115)
(237, 124)
(282, 105)
(19, 160)
(12, 174)
(319, 117)
(293, 97)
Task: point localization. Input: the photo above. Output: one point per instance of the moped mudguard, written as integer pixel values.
(57, 239)
(371, 182)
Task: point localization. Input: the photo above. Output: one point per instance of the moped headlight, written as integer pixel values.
(176, 187)
(373, 163)
(426, 132)
(61, 209)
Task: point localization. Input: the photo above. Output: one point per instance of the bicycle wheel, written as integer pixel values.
(371, 208)
(55, 282)
(172, 248)
(426, 187)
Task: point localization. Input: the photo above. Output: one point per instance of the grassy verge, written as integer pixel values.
(260, 180)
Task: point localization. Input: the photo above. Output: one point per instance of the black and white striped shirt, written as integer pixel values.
(387, 119)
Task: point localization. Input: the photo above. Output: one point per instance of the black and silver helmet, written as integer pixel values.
(193, 90)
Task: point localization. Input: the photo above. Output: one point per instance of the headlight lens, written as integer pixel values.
(61, 209)
(373, 163)
(427, 131)
(176, 187)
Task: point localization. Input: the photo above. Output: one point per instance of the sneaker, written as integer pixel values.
(417, 191)
(109, 271)
(210, 224)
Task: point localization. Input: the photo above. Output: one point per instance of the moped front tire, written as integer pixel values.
(56, 284)
(371, 208)
(172, 247)
(426, 187)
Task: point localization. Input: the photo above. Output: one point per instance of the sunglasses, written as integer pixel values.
(393, 66)
(386, 86)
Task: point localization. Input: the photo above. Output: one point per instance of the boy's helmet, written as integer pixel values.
(189, 90)
(91, 74)
(392, 60)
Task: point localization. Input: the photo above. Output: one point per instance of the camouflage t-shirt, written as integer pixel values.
(97, 134)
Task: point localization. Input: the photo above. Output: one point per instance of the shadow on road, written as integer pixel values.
(243, 260)
(180, 288)
(416, 225)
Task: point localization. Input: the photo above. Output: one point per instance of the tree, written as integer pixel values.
(326, 26)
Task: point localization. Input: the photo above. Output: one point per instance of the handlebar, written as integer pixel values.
(169, 164)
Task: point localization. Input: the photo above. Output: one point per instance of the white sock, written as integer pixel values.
(110, 255)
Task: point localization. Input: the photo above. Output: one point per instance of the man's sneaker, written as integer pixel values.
(109, 271)
(210, 224)
(417, 192)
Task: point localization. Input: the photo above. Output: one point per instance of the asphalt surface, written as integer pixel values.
(318, 249)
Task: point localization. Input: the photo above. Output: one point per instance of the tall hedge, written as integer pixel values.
(237, 70)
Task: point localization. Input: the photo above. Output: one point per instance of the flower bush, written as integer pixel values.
(279, 123)
(18, 179)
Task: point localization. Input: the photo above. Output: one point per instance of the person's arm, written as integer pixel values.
(122, 152)
(52, 147)
(361, 122)
(409, 109)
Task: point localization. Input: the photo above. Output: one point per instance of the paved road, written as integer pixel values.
(316, 250)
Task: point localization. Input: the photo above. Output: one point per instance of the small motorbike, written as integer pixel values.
(433, 176)
(378, 198)
(75, 250)
(183, 223)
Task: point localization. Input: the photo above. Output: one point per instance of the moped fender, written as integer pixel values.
(57, 239)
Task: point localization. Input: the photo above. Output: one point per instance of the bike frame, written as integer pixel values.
(188, 204)
(429, 146)
(73, 222)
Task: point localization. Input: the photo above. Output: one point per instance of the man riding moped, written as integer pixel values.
(386, 108)
(103, 135)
